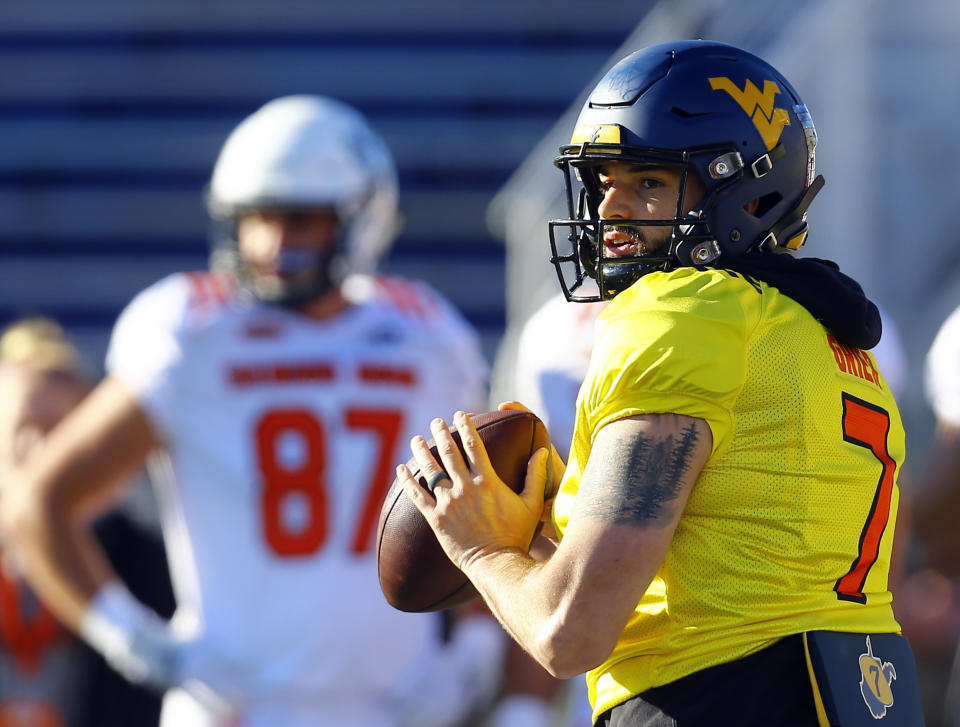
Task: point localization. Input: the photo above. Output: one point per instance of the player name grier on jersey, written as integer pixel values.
(854, 362)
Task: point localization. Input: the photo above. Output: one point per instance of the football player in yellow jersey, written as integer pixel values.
(726, 515)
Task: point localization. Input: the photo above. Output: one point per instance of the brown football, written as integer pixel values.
(415, 573)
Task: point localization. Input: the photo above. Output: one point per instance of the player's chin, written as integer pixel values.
(287, 289)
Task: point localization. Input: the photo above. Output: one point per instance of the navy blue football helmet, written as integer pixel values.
(704, 108)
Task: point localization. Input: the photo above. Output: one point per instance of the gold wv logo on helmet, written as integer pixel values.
(758, 105)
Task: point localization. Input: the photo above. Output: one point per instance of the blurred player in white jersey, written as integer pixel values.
(937, 511)
(552, 355)
(42, 680)
(49, 678)
(273, 396)
(938, 501)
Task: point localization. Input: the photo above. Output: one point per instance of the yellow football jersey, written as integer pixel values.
(790, 525)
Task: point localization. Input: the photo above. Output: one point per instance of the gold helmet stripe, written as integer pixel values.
(594, 134)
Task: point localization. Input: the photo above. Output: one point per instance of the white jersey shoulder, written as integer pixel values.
(942, 379)
(891, 356)
(148, 338)
(412, 300)
(552, 358)
(417, 309)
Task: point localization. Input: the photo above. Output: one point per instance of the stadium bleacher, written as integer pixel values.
(114, 115)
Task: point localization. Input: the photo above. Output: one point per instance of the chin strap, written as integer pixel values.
(772, 241)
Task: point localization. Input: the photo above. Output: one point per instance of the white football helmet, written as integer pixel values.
(302, 152)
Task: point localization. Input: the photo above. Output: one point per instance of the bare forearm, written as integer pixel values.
(83, 468)
(543, 607)
(64, 564)
(568, 610)
(509, 582)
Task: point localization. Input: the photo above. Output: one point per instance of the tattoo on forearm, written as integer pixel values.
(639, 487)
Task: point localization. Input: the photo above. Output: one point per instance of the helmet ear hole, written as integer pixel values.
(763, 204)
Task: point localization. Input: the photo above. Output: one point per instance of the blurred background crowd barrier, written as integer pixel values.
(112, 113)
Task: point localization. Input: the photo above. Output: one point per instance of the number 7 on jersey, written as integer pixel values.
(866, 425)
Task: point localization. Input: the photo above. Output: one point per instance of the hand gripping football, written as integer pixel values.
(415, 573)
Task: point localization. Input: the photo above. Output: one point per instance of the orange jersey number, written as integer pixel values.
(866, 425)
(307, 478)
